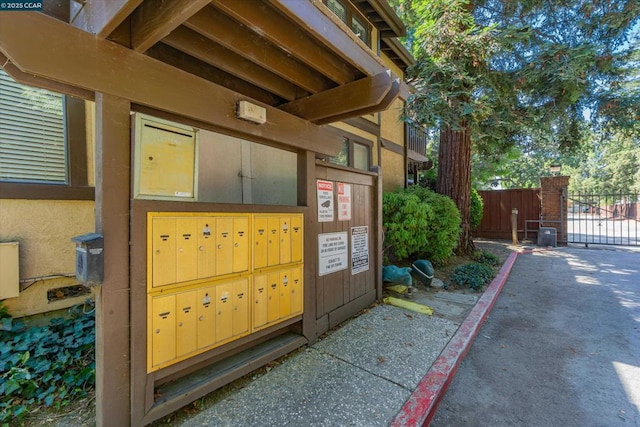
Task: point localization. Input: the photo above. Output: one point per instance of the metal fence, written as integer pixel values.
(604, 219)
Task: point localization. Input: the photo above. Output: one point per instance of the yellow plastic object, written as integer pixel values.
(419, 308)
(400, 289)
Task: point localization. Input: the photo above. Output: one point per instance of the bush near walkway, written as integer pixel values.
(419, 223)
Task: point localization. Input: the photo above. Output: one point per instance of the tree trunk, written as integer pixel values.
(454, 178)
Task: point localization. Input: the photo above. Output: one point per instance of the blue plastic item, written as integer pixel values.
(395, 274)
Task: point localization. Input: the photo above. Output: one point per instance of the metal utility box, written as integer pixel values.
(89, 258)
(547, 236)
(9, 270)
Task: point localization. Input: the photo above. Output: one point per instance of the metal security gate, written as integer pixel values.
(604, 219)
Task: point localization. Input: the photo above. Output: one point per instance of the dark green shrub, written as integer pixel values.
(487, 258)
(50, 365)
(420, 224)
(405, 224)
(473, 275)
(476, 209)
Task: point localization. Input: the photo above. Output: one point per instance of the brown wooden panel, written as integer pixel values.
(151, 21)
(217, 27)
(103, 17)
(279, 31)
(496, 220)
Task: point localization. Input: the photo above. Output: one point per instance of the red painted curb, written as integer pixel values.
(421, 406)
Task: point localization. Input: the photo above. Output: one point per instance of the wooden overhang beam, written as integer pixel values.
(317, 20)
(365, 93)
(225, 31)
(202, 48)
(279, 31)
(103, 17)
(50, 49)
(152, 21)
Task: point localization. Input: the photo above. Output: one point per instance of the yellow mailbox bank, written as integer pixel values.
(215, 277)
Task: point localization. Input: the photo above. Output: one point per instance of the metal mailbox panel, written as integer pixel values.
(260, 283)
(240, 299)
(285, 293)
(205, 311)
(224, 311)
(260, 237)
(224, 246)
(206, 247)
(186, 322)
(273, 297)
(296, 238)
(285, 240)
(163, 329)
(273, 242)
(163, 243)
(296, 290)
(240, 244)
(186, 249)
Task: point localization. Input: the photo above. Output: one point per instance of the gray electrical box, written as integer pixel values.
(547, 237)
(89, 258)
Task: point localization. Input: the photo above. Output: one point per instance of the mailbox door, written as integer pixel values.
(206, 305)
(187, 249)
(224, 246)
(186, 323)
(240, 299)
(285, 293)
(260, 283)
(163, 324)
(224, 311)
(206, 247)
(273, 297)
(296, 238)
(285, 240)
(273, 243)
(240, 244)
(163, 261)
(296, 290)
(260, 237)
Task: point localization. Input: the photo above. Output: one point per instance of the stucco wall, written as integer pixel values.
(44, 229)
(392, 170)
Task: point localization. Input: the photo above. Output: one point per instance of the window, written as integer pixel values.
(43, 142)
(353, 154)
(350, 16)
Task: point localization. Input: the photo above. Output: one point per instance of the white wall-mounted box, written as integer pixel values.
(9, 270)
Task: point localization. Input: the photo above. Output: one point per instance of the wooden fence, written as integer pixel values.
(498, 204)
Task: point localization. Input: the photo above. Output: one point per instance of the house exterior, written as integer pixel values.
(219, 166)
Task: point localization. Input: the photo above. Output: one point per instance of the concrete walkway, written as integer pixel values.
(560, 348)
(390, 366)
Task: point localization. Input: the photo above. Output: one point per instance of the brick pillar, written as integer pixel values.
(553, 192)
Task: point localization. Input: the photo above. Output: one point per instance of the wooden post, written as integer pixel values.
(514, 226)
(112, 220)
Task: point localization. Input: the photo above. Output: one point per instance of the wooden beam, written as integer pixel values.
(364, 93)
(386, 101)
(279, 31)
(103, 17)
(192, 43)
(31, 80)
(217, 27)
(152, 21)
(181, 60)
(113, 139)
(45, 47)
(325, 27)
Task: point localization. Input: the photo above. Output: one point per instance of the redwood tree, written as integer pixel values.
(490, 74)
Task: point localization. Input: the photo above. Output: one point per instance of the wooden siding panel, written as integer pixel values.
(496, 220)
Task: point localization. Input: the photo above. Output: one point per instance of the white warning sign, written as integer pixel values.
(333, 252)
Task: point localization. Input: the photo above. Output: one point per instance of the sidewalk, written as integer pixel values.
(386, 366)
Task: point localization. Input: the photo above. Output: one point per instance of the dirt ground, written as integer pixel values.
(82, 413)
